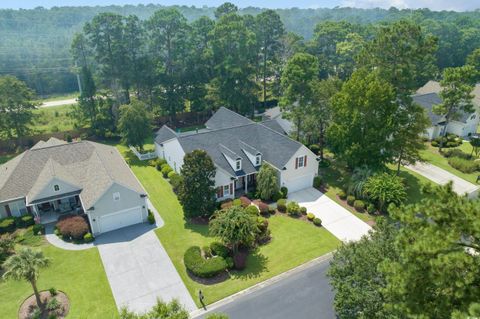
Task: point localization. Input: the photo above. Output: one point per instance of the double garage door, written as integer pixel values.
(120, 219)
(299, 183)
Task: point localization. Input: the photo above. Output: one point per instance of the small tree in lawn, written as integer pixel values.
(385, 189)
(25, 265)
(196, 192)
(134, 124)
(234, 227)
(267, 183)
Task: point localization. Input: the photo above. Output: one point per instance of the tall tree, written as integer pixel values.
(197, 192)
(363, 119)
(474, 60)
(270, 31)
(267, 182)
(135, 53)
(16, 106)
(86, 109)
(224, 9)
(456, 94)
(298, 82)
(168, 34)
(134, 124)
(26, 265)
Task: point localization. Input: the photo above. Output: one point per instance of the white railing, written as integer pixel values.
(143, 156)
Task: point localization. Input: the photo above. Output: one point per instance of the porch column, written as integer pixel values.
(35, 211)
(245, 182)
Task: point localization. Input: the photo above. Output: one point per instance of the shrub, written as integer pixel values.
(237, 202)
(171, 174)
(73, 227)
(176, 181)
(151, 217)
(27, 221)
(68, 138)
(359, 205)
(53, 292)
(218, 249)
(310, 216)
(276, 196)
(342, 195)
(317, 222)
(324, 163)
(271, 210)
(202, 267)
(303, 210)
(7, 225)
(159, 162)
(317, 181)
(371, 208)
(282, 205)
(207, 252)
(226, 204)
(284, 191)
(350, 200)
(230, 263)
(245, 202)
(434, 143)
(251, 195)
(38, 229)
(88, 238)
(7, 245)
(166, 169)
(384, 189)
(293, 209)
(57, 232)
(456, 153)
(463, 165)
(252, 210)
(53, 304)
(315, 148)
(264, 209)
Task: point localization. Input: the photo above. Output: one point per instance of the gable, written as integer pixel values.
(49, 190)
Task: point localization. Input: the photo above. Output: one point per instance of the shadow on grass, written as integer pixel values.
(414, 187)
(197, 228)
(336, 175)
(256, 265)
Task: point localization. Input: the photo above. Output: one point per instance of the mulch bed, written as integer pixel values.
(199, 220)
(29, 305)
(221, 277)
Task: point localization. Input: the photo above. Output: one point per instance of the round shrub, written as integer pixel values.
(282, 205)
(315, 148)
(202, 267)
(176, 181)
(263, 208)
(7, 225)
(245, 202)
(350, 200)
(166, 169)
(24, 221)
(252, 210)
(226, 204)
(207, 252)
(88, 238)
(303, 210)
(218, 249)
(277, 196)
(359, 205)
(371, 208)
(434, 143)
(171, 174)
(73, 227)
(38, 229)
(151, 217)
(463, 165)
(325, 163)
(284, 191)
(317, 181)
(271, 210)
(293, 209)
(230, 263)
(237, 202)
(317, 222)
(342, 195)
(310, 216)
(159, 162)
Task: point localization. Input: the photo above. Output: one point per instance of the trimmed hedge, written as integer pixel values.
(303, 210)
(201, 267)
(310, 216)
(293, 209)
(342, 195)
(165, 170)
(359, 205)
(277, 196)
(282, 205)
(171, 174)
(317, 222)
(88, 238)
(218, 249)
(38, 229)
(252, 210)
(463, 165)
(284, 191)
(7, 225)
(350, 200)
(317, 181)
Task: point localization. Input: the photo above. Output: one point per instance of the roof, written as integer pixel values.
(274, 125)
(225, 118)
(275, 113)
(428, 101)
(90, 167)
(276, 148)
(434, 87)
(164, 134)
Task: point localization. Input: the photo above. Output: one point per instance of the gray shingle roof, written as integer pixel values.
(164, 134)
(225, 118)
(434, 87)
(92, 167)
(428, 101)
(274, 125)
(276, 148)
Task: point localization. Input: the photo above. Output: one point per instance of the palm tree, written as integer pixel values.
(25, 265)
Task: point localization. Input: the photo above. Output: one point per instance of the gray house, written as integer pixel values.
(54, 178)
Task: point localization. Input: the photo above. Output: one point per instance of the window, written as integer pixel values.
(238, 165)
(258, 159)
(226, 190)
(116, 196)
(56, 188)
(300, 162)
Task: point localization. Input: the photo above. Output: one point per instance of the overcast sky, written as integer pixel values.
(457, 5)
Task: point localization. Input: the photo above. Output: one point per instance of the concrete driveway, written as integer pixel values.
(139, 269)
(442, 177)
(336, 219)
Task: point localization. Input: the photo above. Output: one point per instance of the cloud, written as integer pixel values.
(437, 5)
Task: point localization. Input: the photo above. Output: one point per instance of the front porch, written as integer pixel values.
(49, 211)
(245, 184)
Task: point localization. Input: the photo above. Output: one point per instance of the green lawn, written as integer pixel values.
(294, 241)
(432, 156)
(79, 274)
(59, 97)
(52, 119)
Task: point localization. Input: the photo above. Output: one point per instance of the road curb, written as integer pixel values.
(196, 313)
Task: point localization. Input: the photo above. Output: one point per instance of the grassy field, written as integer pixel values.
(59, 97)
(293, 243)
(79, 274)
(432, 156)
(52, 119)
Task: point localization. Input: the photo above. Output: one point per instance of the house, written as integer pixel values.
(55, 177)
(275, 117)
(238, 148)
(429, 95)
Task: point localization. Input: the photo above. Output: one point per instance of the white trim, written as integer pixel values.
(13, 200)
(52, 200)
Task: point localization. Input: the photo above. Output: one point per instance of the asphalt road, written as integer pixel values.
(303, 295)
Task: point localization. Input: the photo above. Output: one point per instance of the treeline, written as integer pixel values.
(35, 44)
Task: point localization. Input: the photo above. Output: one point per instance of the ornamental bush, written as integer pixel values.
(456, 153)
(171, 174)
(276, 196)
(282, 205)
(263, 208)
(310, 216)
(359, 205)
(252, 210)
(151, 217)
(303, 210)
(201, 267)
(317, 222)
(342, 195)
(245, 202)
(7, 225)
(159, 163)
(175, 181)
(271, 210)
(350, 200)
(371, 208)
(315, 148)
(38, 229)
(463, 165)
(218, 249)
(24, 221)
(165, 170)
(237, 202)
(284, 191)
(88, 238)
(317, 181)
(73, 227)
(384, 189)
(293, 209)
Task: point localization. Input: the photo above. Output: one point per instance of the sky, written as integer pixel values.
(457, 5)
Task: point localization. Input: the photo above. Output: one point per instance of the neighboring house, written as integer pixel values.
(429, 95)
(274, 117)
(54, 178)
(238, 147)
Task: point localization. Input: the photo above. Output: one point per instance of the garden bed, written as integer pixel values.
(28, 307)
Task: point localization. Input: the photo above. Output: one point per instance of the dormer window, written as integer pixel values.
(56, 188)
(238, 165)
(258, 160)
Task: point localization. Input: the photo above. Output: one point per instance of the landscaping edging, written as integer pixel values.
(59, 243)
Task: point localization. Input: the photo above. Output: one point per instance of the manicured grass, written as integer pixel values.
(6, 157)
(59, 97)
(79, 274)
(432, 156)
(52, 119)
(414, 183)
(294, 241)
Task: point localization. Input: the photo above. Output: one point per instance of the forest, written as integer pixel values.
(35, 44)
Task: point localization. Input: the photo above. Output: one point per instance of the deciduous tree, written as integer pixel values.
(267, 183)
(134, 124)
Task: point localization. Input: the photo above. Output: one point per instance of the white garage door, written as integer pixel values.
(120, 219)
(299, 183)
